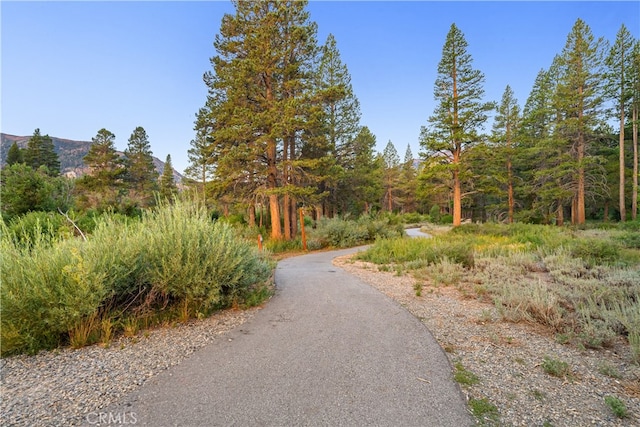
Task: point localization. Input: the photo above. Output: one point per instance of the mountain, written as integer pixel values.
(70, 153)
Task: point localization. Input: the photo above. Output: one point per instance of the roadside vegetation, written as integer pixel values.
(88, 278)
(171, 264)
(584, 283)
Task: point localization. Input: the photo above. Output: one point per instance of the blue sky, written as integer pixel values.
(72, 68)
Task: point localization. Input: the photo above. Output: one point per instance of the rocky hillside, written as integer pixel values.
(70, 154)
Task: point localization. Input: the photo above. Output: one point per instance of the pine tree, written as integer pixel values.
(391, 175)
(505, 129)
(340, 121)
(141, 172)
(259, 97)
(408, 182)
(635, 106)
(460, 113)
(364, 180)
(201, 166)
(553, 177)
(100, 188)
(619, 75)
(540, 160)
(14, 155)
(40, 152)
(167, 184)
(579, 100)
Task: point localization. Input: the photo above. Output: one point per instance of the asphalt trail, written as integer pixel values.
(327, 350)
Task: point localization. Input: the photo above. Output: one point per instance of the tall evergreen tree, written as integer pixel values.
(14, 155)
(408, 182)
(505, 130)
(635, 106)
(340, 121)
(167, 183)
(341, 106)
(619, 75)
(141, 173)
(100, 188)
(363, 180)
(201, 167)
(579, 98)
(460, 113)
(544, 164)
(40, 152)
(258, 94)
(391, 175)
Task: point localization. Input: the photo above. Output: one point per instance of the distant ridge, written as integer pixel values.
(70, 153)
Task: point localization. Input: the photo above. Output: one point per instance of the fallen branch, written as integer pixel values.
(74, 224)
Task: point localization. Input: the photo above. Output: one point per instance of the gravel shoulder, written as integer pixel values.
(63, 387)
(507, 358)
(60, 387)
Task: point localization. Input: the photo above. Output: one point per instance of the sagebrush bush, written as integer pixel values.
(46, 292)
(41, 226)
(63, 291)
(344, 233)
(424, 251)
(579, 282)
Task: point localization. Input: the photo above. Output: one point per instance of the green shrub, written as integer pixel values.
(420, 251)
(189, 258)
(47, 226)
(595, 251)
(343, 233)
(47, 291)
(175, 257)
(617, 406)
(434, 214)
(629, 239)
(281, 245)
(556, 367)
(486, 412)
(446, 219)
(463, 376)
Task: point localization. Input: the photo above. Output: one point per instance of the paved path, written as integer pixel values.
(326, 350)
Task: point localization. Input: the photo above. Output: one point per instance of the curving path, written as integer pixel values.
(326, 350)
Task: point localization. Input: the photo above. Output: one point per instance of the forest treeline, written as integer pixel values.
(281, 130)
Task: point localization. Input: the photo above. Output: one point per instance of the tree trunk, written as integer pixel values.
(580, 208)
(634, 192)
(560, 214)
(274, 210)
(286, 211)
(606, 212)
(252, 215)
(457, 192)
(623, 208)
(510, 191)
(274, 204)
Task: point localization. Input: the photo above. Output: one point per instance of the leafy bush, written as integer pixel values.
(446, 219)
(60, 292)
(617, 406)
(434, 214)
(556, 367)
(595, 251)
(420, 252)
(32, 226)
(46, 292)
(342, 233)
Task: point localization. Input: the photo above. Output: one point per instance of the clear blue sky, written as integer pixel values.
(72, 68)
